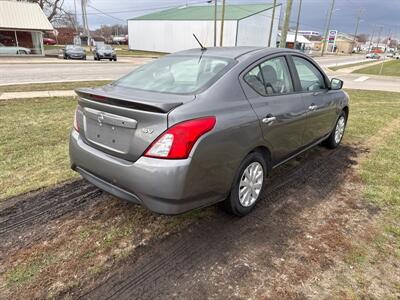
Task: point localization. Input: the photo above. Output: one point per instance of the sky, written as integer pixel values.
(382, 15)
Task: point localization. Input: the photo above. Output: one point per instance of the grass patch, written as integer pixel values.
(124, 51)
(52, 86)
(369, 112)
(390, 68)
(34, 143)
(350, 65)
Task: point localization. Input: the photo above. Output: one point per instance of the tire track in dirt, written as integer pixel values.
(169, 264)
(29, 215)
(53, 204)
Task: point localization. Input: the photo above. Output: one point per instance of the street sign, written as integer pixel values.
(332, 36)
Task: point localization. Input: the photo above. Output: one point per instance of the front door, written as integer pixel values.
(282, 113)
(320, 102)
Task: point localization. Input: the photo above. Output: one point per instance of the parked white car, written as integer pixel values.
(13, 50)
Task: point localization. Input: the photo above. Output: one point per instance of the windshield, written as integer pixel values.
(175, 74)
(72, 47)
(105, 47)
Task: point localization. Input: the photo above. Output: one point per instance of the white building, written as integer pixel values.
(172, 30)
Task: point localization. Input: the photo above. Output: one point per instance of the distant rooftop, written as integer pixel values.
(206, 12)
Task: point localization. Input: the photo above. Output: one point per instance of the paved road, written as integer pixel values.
(48, 72)
(369, 82)
(33, 71)
(333, 60)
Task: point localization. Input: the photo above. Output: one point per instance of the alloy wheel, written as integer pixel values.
(339, 131)
(250, 184)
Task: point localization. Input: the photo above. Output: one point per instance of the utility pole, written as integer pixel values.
(215, 22)
(286, 22)
(76, 18)
(272, 24)
(379, 36)
(372, 36)
(328, 24)
(357, 25)
(297, 25)
(85, 21)
(222, 24)
(384, 57)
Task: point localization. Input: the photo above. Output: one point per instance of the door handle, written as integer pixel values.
(312, 107)
(268, 119)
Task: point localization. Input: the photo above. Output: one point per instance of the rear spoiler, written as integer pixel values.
(98, 96)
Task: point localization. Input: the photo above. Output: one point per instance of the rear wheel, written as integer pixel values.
(337, 133)
(248, 185)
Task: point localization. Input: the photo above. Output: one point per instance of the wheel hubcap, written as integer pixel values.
(339, 129)
(250, 184)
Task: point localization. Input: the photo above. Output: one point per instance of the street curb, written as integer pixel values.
(36, 94)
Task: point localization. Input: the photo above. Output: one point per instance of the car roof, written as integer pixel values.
(232, 52)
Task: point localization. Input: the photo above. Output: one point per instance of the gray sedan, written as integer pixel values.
(203, 126)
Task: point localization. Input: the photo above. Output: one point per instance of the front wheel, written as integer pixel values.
(248, 185)
(337, 133)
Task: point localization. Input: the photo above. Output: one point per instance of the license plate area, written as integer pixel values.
(109, 131)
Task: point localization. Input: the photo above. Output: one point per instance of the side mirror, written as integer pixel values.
(336, 84)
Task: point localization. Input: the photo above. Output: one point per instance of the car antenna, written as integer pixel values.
(201, 45)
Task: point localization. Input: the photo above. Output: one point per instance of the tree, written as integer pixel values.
(52, 8)
(362, 37)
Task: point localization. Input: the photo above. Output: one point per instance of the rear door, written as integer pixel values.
(268, 86)
(320, 103)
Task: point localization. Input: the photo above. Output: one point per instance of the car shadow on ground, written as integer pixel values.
(217, 254)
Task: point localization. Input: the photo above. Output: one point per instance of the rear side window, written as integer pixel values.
(175, 74)
(310, 77)
(271, 77)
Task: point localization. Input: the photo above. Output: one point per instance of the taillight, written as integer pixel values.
(76, 127)
(178, 141)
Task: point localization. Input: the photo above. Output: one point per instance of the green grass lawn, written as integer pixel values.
(53, 86)
(34, 144)
(351, 65)
(390, 68)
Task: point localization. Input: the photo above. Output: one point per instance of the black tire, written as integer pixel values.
(110, 59)
(232, 203)
(331, 142)
(22, 52)
(115, 59)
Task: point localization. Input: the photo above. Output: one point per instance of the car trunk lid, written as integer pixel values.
(124, 122)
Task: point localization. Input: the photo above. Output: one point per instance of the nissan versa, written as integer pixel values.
(205, 125)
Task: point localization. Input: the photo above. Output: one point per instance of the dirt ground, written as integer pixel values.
(308, 219)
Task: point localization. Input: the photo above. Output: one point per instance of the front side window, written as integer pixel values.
(272, 77)
(310, 77)
(175, 74)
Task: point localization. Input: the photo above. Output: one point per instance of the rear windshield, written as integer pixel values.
(72, 47)
(104, 47)
(175, 74)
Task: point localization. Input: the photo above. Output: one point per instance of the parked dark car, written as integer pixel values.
(74, 52)
(104, 52)
(202, 126)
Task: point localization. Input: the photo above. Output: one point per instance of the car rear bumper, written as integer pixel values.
(106, 56)
(76, 57)
(163, 186)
